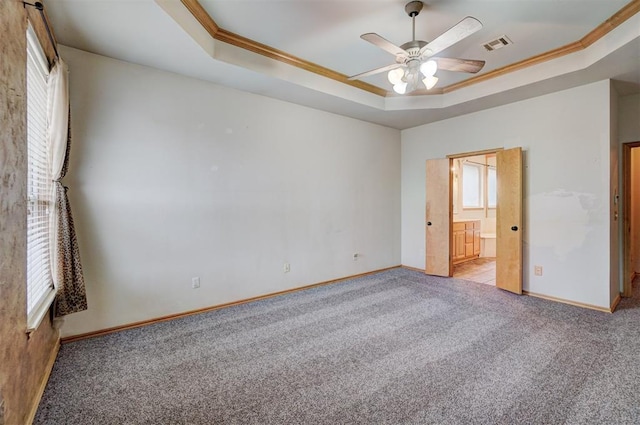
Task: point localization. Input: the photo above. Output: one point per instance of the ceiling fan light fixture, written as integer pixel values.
(430, 81)
(414, 69)
(395, 76)
(400, 88)
(429, 68)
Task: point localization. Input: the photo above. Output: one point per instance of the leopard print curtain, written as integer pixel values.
(71, 296)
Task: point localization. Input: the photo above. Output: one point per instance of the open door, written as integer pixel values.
(438, 218)
(630, 204)
(509, 220)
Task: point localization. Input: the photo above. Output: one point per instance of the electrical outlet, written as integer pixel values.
(355, 256)
(537, 270)
(195, 282)
(286, 268)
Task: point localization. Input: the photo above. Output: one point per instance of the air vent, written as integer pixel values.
(498, 43)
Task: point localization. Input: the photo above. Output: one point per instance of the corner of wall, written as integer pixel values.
(615, 196)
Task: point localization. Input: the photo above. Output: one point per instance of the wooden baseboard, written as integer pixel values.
(573, 303)
(615, 303)
(43, 383)
(106, 331)
(627, 291)
(415, 269)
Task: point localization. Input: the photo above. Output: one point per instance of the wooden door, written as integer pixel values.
(509, 220)
(627, 235)
(438, 218)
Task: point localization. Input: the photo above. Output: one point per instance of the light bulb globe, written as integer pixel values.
(400, 88)
(395, 76)
(429, 82)
(429, 68)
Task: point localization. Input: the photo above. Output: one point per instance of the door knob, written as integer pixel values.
(428, 223)
(514, 228)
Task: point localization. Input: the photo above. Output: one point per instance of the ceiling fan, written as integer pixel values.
(416, 65)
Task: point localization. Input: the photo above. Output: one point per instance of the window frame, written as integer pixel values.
(40, 202)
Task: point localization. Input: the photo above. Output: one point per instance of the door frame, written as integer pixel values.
(452, 157)
(627, 277)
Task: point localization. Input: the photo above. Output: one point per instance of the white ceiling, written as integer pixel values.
(164, 35)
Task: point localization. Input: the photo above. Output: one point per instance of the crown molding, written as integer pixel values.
(228, 37)
(600, 31)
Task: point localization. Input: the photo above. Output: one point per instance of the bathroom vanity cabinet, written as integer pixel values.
(466, 240)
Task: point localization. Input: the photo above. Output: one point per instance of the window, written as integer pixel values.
(478, 183)
(40, 291)
(472, 185)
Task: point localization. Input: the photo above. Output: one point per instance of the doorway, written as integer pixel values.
(474, 196)
(440, 224)
(631, 234)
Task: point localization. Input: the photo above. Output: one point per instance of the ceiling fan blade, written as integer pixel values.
(461, 30)
(376, 71)
(384, 44)
(460, 65)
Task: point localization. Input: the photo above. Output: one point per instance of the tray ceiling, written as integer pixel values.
(166, 34)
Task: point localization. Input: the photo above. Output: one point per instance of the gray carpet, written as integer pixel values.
(397, 347)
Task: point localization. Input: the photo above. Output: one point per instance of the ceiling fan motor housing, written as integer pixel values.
(413, 47)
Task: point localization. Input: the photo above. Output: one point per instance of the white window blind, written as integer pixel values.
(39, 186)
(471, 186)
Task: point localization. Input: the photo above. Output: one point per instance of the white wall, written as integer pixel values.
(566, 141)
(629, 118)
(173, 177)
